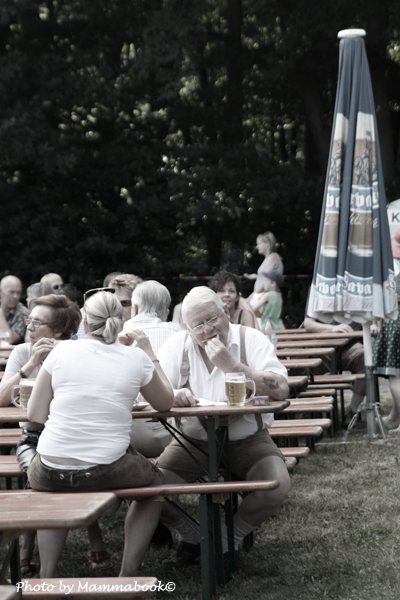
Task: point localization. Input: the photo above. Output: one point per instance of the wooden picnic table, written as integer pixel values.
(21, 511)
(312, 343)
(318, 336)
(212, 571)
(301, 363)
(304, 352)
(12, 414)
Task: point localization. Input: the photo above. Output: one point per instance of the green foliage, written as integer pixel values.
(160, 138)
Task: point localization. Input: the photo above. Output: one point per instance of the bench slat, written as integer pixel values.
(297, 452)
(324, 423)
(293, 432)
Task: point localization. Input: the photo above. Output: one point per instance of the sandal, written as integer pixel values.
(28, 568)
(99, 560)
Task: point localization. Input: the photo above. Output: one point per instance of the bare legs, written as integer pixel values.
(140, 524)
(394, 383)
(51, 543)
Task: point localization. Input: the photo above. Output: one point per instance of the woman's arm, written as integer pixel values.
(159, 391)
(262, 300)
(40, 350)
(42, 395)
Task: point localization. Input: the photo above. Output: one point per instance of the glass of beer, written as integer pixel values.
(235, 388)
(21, 393)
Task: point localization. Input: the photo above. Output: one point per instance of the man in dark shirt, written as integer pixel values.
(12, 312)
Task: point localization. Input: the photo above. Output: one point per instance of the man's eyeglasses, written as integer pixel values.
(89, 293)
(200, 328)
(34, 322)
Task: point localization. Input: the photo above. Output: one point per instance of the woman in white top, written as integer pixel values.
(84, 394)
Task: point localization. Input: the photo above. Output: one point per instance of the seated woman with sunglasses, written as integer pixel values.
(52, 318)
(84, 394)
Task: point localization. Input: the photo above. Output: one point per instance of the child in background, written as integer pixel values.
(271, 298)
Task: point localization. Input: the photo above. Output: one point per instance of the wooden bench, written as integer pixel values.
(99, 588)
(212, 568)
(324, 423)
(295, 433)
(297, 452)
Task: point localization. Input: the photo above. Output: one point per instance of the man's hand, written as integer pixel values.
(184, 397)
(40, 350)
(219, 355)
(341, 328)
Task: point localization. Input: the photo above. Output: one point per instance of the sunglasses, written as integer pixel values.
(89, 293)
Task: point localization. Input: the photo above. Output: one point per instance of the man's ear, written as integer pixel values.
(134, 310)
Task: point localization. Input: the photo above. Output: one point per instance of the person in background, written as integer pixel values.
(228, 287)
(124, 286)
(352, 357)
(270, 300)
(110, 276)
(54, 280)
(69, 290)
(85, 444)
(386, 353)
(266, 245)
(12, 312)
(36, 290)
(150, 308)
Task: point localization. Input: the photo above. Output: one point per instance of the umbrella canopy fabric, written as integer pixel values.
(353, 274)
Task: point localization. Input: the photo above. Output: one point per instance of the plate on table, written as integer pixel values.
(140, 405)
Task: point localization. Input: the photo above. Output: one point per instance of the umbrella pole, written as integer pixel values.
(371, 406)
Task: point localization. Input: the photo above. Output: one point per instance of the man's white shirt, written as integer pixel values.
(156, 330)
(260, 356)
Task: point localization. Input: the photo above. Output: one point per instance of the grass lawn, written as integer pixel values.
(336, 536)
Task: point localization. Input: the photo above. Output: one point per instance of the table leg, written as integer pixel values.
(207, 541)
(215, 507)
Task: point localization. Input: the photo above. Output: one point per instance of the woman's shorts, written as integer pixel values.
(129, 471)
(243, 455)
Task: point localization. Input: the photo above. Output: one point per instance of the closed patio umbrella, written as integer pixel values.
(353, 274)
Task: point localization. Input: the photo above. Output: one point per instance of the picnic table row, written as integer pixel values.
(294, 354)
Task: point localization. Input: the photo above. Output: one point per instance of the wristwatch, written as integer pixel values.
(22, 374)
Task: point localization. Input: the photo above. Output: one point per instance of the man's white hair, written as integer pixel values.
(199, 296)
(152, 298)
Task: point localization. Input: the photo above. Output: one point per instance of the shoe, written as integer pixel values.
(99, 560)
(397, 430)
(348, 417)
(28, 568)
(388, 424)
(162, 536)
(245, 568)
(185, 554)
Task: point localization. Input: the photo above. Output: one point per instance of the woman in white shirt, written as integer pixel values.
(84, 394)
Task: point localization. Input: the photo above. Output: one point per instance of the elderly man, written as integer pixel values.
(150, 307)
(211, 348)
(124, 286)
(12, 312)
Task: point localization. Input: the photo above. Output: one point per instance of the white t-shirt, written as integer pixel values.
(260, 356)
(94, 387)
(18, 358)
